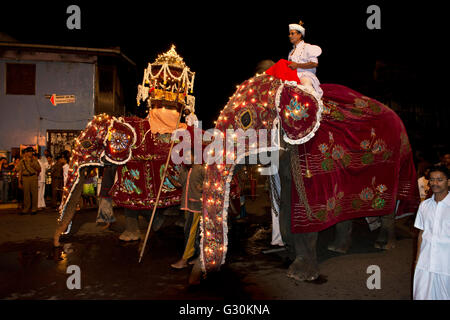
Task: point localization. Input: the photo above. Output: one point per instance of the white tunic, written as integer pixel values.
(41, 182)
(302, 53)
(432, 275)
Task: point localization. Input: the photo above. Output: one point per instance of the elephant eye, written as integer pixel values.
(86, 144)
(246, 119)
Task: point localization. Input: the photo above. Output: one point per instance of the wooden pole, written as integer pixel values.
(162, 182)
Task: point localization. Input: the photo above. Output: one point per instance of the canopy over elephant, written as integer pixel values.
(345, 156)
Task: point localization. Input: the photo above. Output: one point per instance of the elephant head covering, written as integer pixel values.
(299, 27)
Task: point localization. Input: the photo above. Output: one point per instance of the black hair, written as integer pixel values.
(442, 169)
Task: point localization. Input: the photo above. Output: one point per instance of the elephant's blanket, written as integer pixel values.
(139, 179)
(360, 162)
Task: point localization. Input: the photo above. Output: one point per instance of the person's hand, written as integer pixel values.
(293, 66)
(20, 186)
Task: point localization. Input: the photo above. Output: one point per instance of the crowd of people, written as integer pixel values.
(36, 182)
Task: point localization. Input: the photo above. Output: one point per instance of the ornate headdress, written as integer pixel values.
(167, 82)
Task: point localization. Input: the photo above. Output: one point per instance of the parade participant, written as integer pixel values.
(191, 178)
(43, 162)
(304, 58)
(57, 180)
(48, 177)
(29, 170)
(432, 265)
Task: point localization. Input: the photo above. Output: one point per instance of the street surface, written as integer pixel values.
(31, 269)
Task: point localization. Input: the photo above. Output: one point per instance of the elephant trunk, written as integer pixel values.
(70, 208)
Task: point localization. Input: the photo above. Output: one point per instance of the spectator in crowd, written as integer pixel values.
(16, 193)
(423, 182)
(48, 177)
(66, 155)
(57, 181)
(29, 170)
(41, 182)
(5, 179)
(89, 193)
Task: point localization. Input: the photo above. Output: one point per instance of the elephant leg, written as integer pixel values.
(305, 266)
(301, 247)
(70, 209)
(285, 205)
(386, 238)
(158, 219)
(131, 232)
(343, 237)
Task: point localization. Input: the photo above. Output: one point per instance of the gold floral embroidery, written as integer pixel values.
(333, 153)
(372, 195)
(373, 147)
(332, 206)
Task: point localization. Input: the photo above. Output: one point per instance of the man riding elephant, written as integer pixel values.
(337, 163)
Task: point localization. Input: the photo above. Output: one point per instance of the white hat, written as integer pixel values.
(297, 27)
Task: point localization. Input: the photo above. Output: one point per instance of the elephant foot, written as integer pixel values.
(339, 249)
(301, 270)
(130, 236)
(385, 245)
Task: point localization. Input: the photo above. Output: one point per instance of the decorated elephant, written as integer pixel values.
(138, 147)
(140, 157)
(342, 156)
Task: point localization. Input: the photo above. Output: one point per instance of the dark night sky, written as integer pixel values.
(223, 41)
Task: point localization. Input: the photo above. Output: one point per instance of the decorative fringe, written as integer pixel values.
(318, 114)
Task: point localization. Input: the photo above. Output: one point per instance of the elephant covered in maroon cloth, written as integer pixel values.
(341, 156)
(140, 157)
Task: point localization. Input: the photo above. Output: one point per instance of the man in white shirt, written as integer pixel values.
(432, 271)
(304, 58)
(41, 182)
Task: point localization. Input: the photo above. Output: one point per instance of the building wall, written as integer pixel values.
(25, 119)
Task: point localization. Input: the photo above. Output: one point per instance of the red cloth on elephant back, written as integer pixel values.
(360, 160)
(281, 70)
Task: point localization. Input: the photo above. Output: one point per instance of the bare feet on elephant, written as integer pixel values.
(301, 270)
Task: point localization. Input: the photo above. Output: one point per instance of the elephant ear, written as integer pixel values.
(299, 111)
(118, 144)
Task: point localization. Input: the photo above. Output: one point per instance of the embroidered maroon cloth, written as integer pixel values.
(360, 160)
(139, 179)
(139, 154)
(299, 114)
